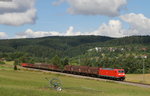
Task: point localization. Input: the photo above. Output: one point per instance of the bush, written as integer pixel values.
(1, 62)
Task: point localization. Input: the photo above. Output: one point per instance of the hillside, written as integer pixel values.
(48, 46)
(66, 46)
(95, 51)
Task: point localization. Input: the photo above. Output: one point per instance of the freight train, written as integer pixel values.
(108, 73)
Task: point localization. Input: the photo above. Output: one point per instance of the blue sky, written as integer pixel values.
(50, 18)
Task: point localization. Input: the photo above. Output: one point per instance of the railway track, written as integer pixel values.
(94, 78)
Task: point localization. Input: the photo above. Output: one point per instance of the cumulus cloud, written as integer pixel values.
(3, 35)
(139, 24)
(70, 32)
(17, 12)
(94, 7)
(29, 33)
(113, 29)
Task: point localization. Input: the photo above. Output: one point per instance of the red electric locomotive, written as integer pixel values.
(117, 74)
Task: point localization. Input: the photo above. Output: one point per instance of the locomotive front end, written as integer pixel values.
(120, 74)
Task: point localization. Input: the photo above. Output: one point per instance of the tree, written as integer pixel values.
(56, 61)
(16, 62)
(64, 62)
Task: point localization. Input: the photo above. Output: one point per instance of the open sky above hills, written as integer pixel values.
(38, 18)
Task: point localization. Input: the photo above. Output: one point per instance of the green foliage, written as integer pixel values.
(1, 62)
(16, 62)
(64, 62)
(56, 60)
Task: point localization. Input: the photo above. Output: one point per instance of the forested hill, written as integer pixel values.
(143, 40)
(49, 46)
(65, 45)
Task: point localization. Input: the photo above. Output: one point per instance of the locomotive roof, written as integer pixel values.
(108, 68)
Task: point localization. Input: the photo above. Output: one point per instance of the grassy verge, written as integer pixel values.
(138, 78)
(7, 66)
(30, 83)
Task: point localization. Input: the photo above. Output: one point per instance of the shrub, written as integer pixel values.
(1, 62)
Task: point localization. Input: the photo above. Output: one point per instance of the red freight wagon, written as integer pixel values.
(93, 70)
(112, 73)
(83, 69)
(44, 66)
(54, 67)
(75, 69)
(31, 65)
(47, 66)
(37, 65)
(67, 68)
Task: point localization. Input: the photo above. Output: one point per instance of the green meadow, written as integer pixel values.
(33, 83)
(138, 78)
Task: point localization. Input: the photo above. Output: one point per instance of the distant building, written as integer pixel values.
(96, 48)
(144, 49)
(112, 49)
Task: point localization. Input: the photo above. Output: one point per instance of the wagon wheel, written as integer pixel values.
(56, 84)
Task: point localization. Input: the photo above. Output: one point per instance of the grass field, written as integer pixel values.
(138, 78)
(7, 66)
(33, 83)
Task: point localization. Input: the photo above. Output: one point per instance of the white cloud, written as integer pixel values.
(70, 32)
(94, 7)
(113, 29)
(29, 33)
(33, 34)
(17, 12)
(3, 35)
(139, 24)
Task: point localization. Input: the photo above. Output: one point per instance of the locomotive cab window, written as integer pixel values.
(121, 71)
